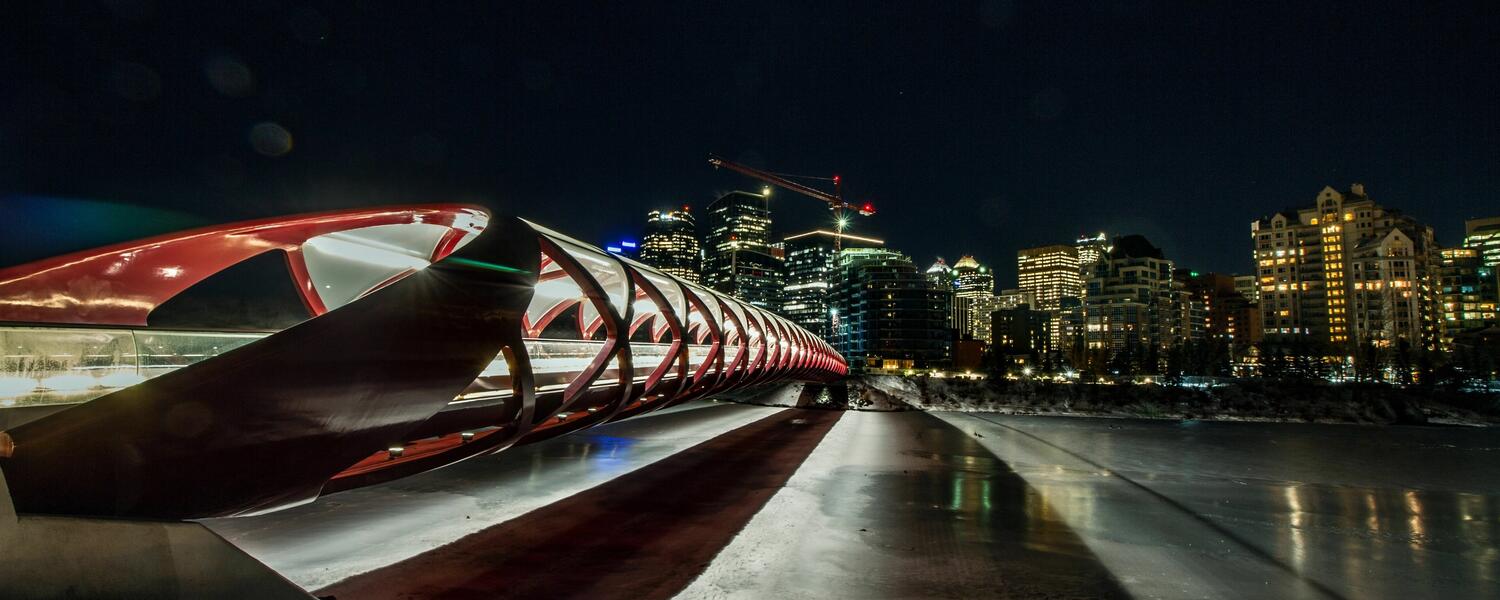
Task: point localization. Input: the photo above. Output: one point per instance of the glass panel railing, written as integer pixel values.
(163, 351)
(58, 365)
(556, 363)
(647, 357)
(697, 353)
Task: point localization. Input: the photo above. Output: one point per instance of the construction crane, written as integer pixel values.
(835, 200)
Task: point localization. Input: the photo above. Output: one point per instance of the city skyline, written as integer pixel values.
(1121, 114)
(1007, 272)
(832, 299)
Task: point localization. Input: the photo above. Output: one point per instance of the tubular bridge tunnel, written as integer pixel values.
(431, 334)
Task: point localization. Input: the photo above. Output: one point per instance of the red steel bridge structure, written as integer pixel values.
(432, 334)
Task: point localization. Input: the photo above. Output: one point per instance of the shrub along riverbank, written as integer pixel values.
(1240, 400)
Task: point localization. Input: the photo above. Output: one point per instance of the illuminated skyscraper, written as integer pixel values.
(1346, 272)
(940, 276)
(738, 251)
(671, 243)
(811, 265)
(1483, 235)
(1468, 292)
(1091, 249)
(980, 328)
(1012, 298)
(973, 284)
(887, 314)
(1049, 274)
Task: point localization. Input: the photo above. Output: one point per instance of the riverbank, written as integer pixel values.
(1308, 402)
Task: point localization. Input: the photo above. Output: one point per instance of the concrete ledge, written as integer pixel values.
(53, 557)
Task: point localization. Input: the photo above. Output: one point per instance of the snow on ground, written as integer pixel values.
(354, 532)
(793, 533)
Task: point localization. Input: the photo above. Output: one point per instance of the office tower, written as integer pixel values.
(971, 283)
(1050, 273)
(979, 327)
(886, 316)
(1468, 292)
(738, 252)
(940, 277)
(1066, 329)
(1021, 330)
(671, 243)
(1483, 235)
(1012, 298)
(1091, 249)
(811, 265)
(1131, 304)
(1346, 272)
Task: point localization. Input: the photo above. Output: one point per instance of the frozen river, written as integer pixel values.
(1200, 509)
(919, 505)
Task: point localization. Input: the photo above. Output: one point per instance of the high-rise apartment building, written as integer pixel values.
(972, 283)
(1345, 272)
(1248, 287)
(811, 267)
(671, 243)
(1483, 235)
(885, 313)
(1226, 315)
(1468, 292)
(1049, 274)
(738, 251)
(1131, 304)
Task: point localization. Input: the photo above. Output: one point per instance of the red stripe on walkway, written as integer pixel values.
(643, 535)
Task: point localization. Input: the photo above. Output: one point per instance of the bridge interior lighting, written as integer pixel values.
(395, 451)
(365, 250)
(558, 288)
(467, 436)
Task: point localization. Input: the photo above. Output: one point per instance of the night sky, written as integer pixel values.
(975, 127)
